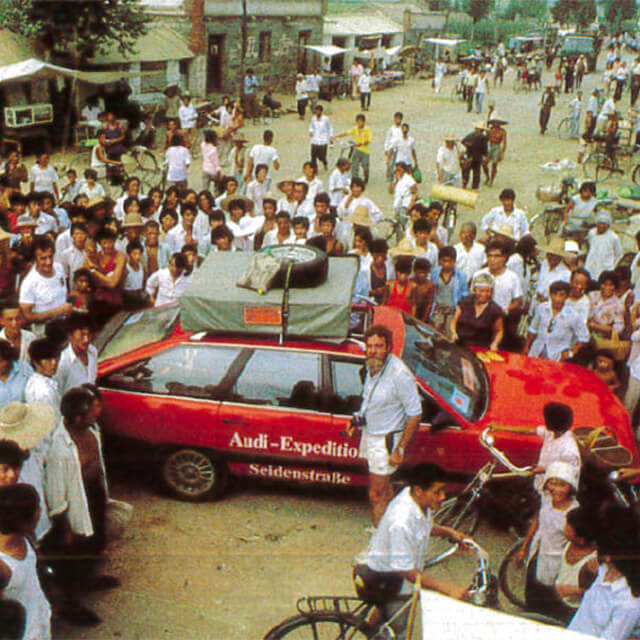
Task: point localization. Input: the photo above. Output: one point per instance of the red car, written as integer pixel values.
(220, 404)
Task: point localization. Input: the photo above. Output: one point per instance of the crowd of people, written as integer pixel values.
(71, 257)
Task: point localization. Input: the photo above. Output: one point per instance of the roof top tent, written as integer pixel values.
(331, 52)
(214, 301)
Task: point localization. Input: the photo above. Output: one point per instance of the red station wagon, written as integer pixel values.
(216, 403)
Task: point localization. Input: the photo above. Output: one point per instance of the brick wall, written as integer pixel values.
(279, 71)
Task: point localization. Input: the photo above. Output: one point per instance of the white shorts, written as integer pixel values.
(374, 449)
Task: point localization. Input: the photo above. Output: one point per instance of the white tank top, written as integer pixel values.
(24, 587)
(97, 164)
(570, 574)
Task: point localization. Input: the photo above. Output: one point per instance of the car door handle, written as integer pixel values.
(239, 423)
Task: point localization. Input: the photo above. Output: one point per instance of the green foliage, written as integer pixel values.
(78, 28)
(493, 30)
(14, 15)
(579, 12)
(619, 10)
(525, 9)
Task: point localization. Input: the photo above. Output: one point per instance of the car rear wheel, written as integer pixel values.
(193, 475)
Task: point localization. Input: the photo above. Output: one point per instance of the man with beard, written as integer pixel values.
(389, 416)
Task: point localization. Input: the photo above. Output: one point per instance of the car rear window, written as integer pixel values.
(131, 330)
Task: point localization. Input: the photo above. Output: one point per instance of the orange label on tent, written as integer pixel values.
(271, 316)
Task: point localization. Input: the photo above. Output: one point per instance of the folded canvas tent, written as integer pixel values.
(213, 301)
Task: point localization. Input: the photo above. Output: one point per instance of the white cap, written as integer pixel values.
(562, 471)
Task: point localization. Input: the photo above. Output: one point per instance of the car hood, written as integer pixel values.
(521, 386)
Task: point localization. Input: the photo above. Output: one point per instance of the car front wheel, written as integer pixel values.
(193, 475)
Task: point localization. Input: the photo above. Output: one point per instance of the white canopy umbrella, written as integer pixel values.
(326, 50)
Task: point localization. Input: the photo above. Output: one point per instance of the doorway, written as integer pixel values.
(215, 63)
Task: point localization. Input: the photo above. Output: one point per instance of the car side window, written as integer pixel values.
(192, 370)
(281, 378)
(347, 377)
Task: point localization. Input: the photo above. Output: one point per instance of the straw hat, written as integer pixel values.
(96, 203)
(405, 248)
(557, 248)
(248, 202)
(450, 137)
(360, 217)
(505, 230)
(25, 220)
(26, 425)
(132, 220)
(479, 124)
(284, 181)
(483, 280)
(497, 119)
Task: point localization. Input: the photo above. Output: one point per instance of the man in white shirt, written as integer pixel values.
(178, 159)
(339, 181)
(592, 112)
(263, 154)
(132, 191)
(184, 232)
(43, 293)
(610, 107)
(320, 133)
(74, 257)
(605, 249)
(42, 386)
(575, 111)
(405, 148)
(167, 285)
(556, 331)
(507, 291)
(364, 87)
(578, 301)
(552, 269)
(405, 191)
(506, 215)
(394, 133)
(470, 254)
(187, 114)
(448, 163)
(79, 359)
(313, 81)
(12, 321)
(282, 234)
(45, 223)
(303, 206)
(394, 561)
(389, 416)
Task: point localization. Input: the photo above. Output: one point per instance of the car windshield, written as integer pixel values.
(131, 330)
(454, 373)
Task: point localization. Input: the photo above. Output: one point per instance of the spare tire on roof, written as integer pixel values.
(310, 265)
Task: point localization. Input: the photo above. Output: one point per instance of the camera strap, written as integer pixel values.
(366, 401)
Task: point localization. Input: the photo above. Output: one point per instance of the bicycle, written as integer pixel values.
(461, 511)
(351, 618)
(566, 128)
(601, 164)
(389, 229)
(339, 150)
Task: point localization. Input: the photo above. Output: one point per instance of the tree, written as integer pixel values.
(619, 10)
(478, 9)
(525, 9)
(76, 28)
(580, 12)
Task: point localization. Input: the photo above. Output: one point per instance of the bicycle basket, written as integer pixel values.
(602, 447)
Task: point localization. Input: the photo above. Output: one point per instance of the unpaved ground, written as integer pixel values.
(232, 569)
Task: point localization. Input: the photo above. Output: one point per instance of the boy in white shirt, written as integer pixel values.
(605, 249)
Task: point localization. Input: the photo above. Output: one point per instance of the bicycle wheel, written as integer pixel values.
(512, 579)
(594, 167)
(553, 219)
(458, 512)
(564, 129)
(635, 176)
(146, 160)
(80, 162)
(322, 626)
(388, 229)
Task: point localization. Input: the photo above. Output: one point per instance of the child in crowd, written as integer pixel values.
(379, 272)
(545, 541)
(425, 288)
(81, 296)
(604, 367)
(579, 565)
(91, 187)
(300, 229)
(72, 188)
(450, 287)
(400, 293)
(134, 295)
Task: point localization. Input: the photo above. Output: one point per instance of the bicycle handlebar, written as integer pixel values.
(487, 441)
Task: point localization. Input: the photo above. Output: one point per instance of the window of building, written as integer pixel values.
(264, 51)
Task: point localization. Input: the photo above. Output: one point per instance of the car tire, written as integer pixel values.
(310, 265)
(194, 475)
